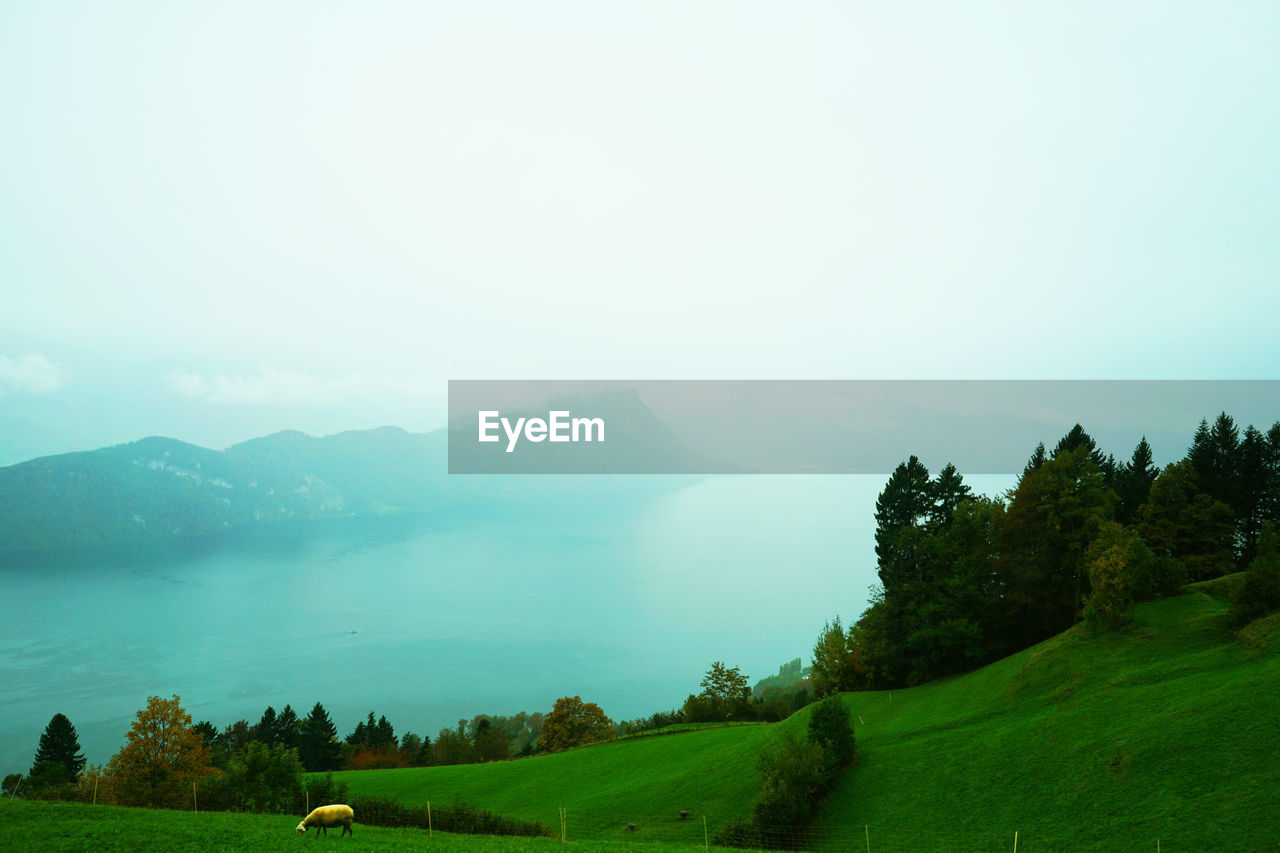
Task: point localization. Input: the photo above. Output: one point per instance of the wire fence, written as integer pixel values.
(695, 830)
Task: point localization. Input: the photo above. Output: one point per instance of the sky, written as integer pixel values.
(222, 220)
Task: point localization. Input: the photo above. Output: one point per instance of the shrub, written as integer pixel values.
(831, 728)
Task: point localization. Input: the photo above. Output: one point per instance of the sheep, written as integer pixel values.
(324, 817)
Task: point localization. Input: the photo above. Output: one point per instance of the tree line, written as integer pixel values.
(966, 579)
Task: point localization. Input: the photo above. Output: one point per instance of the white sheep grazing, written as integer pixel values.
(324, 817)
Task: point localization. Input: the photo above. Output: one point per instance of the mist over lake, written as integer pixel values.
(621, 595)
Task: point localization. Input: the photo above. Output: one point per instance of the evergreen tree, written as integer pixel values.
(1076, 438)
(1133, 482)
(1251, 488)
(1053, 516)
(288, 727)
(383, 736)
(1214, 455)
(948, 490)
(364, 733)
(1037, 459)
(1270, 509)
(59, 744)
(267, 731)
(318, 741)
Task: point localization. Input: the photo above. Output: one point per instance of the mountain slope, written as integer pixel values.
(159, 488)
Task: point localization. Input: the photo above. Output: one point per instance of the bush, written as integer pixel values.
(831, 728)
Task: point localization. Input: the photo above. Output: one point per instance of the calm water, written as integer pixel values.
(621, 597)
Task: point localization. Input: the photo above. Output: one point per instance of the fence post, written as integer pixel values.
(868, 831)
(95, 789)
(195, 802)
(1015, 841)
(429, 830)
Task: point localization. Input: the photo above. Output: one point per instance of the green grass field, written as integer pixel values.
(35, 827)
(645, 781)
(1168, 730)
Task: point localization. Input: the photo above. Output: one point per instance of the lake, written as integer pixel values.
(622, 595)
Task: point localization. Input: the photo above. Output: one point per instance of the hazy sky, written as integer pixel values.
(222, 219)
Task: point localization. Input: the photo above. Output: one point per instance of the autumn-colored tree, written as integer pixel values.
(573, 722)
(163, 756)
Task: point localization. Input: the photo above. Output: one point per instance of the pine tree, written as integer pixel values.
(1251, 487)
(948, 490)
(1133, 482)
(1270, 510)
(318, 741)
(1076, 438)
(60, 744)
(1037, 459)
(267, 730)
(383, 736)
(288, 727)
(903, 507)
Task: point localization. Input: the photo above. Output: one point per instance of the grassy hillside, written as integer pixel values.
(644, 780)
(1167, 730)
(62, 827)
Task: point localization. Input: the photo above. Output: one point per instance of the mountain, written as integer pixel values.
(159, 487)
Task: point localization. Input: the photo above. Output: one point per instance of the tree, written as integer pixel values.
(288, 727)
(490, 743)
(831, 728)
(163, 755)
(725, 690)
(267, 730)
(452, 746)
(263, 778)
(947, 491)
(1077, 438)
(1259, 594)
(1053, 515)
(792, 776)
(1133, 482)
(60, 744)
(573, 722)
(1181, 521)
(318, 742)
(1252, 476)
(832, 668)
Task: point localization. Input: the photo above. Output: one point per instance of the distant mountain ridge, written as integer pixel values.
(158, 487)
